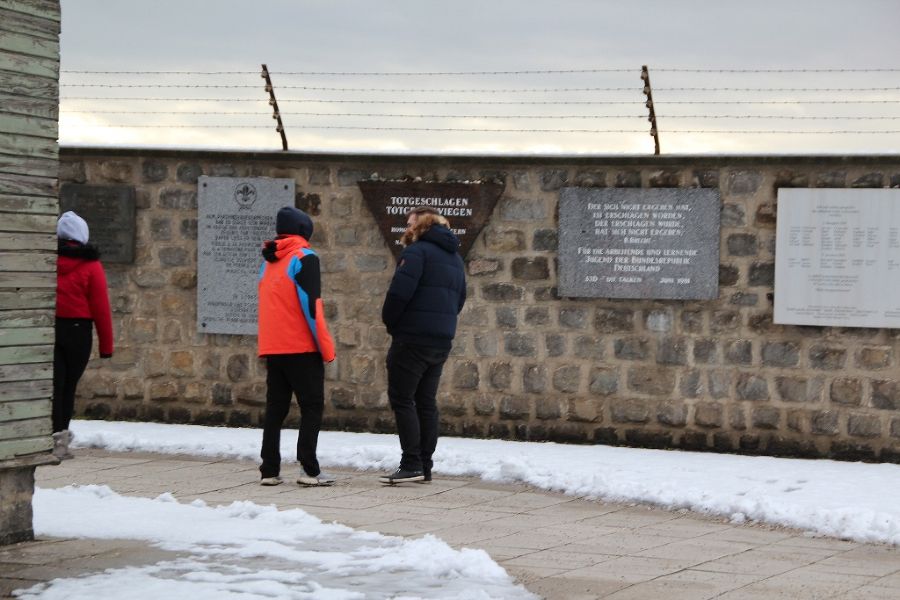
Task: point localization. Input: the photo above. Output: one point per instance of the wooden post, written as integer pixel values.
(645, 77)
(276, 114)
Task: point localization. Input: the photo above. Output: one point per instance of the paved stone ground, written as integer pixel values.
(560, 547)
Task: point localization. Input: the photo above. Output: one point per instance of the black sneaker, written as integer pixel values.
(426, 476)
(402, 476)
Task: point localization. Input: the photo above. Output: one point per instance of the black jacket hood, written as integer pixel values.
(441, 237)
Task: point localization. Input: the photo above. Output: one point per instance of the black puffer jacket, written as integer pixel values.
(427, 292)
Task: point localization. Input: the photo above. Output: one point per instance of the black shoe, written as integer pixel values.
(426, 476)
(402, 475)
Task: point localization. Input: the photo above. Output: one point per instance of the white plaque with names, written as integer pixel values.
(837, 258)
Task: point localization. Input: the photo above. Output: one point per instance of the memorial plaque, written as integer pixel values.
(637, 243)
(837, 259)
(235, 217)
(109, 212)
(466, 205)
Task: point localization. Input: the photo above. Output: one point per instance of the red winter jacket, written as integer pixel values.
(81, 291)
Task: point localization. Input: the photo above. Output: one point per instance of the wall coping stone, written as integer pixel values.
(685, 160)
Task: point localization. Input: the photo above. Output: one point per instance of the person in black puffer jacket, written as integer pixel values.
(420, 311)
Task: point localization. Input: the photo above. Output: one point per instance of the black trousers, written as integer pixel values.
(71, 353)
(302, 375)
(414, 373)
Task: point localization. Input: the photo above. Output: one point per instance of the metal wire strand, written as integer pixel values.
(496, 130)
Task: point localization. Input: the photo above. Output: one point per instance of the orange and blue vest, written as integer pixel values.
(291, 314)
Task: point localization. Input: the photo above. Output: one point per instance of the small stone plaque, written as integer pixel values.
(639, 243)
(235, 217)
(109, 212)
(837, 260)
(466, 205)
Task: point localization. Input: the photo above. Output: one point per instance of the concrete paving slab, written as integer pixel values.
(557, 559)
(868, 592)
(756, 535)
(633, 517)
(623, 542)
(807, 583)
(860, 561)
(571, 588)
(560, 547)
(698, 550)
(632, 569)
(49, 558)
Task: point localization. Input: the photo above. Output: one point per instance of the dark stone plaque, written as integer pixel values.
(639, 243)
(109, 212)
(466, 205)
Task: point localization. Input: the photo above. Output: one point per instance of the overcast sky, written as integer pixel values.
(468, 36)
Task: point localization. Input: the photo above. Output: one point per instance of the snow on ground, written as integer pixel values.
(252, 552)
(855, 501)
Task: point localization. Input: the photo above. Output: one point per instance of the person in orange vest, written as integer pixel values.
(294, 339)
(82, 304)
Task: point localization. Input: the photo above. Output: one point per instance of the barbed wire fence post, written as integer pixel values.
(648, 91)
(276, 114)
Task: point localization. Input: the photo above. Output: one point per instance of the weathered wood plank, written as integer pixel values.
(22, 43)
(17, 336)
(29, 24)
(33, 107)
(28, 185)
(29, 65)
(34, 241)
(26, 262)
(29, 428)
(28, 165)
(20, 355)
(25, 390)
(26, 145)
(13, 448)
(23, 281)
(27, 409)
(23, 84)
(45, 9)
(37, 205)
(27, 318)
(36, 126)
(45, 299)
(28, 223)
(29, 372)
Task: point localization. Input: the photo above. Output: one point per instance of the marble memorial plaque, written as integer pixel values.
(109, 212)
(639, 243)
(235, 216)
(466, 205)
(837, 259)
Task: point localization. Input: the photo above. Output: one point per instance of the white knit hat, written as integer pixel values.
(72, 227)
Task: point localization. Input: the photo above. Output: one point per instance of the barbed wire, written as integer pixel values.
(569, 92)
(482, 116)
(495, 130)
(479, 90)
(515, 72)
(520, 102)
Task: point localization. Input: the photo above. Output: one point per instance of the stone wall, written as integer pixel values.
(526, 364)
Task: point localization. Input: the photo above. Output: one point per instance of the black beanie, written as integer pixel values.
(293, 221)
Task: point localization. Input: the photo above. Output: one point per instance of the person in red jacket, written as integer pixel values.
(294, 339)
(82, 302)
